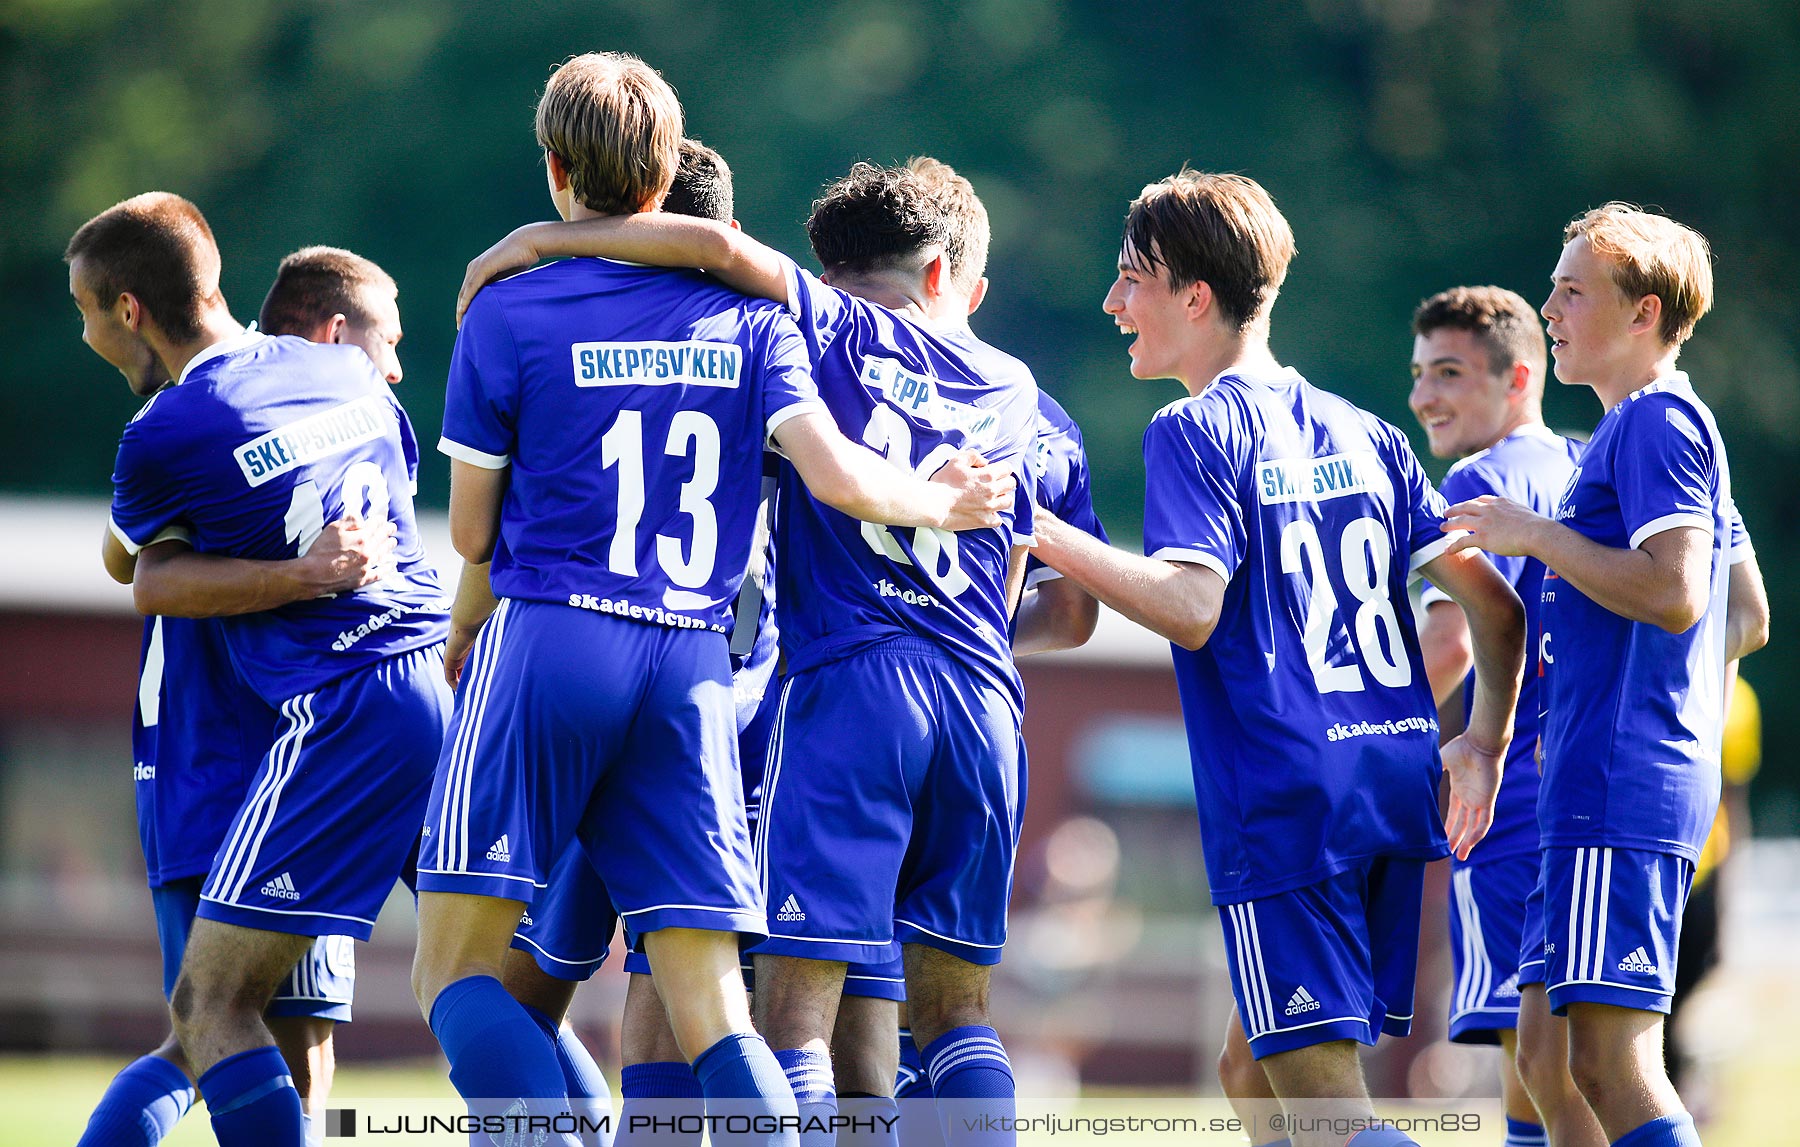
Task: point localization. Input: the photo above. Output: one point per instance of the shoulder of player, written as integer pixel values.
(1664, 403)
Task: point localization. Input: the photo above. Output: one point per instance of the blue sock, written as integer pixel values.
(912, 1088)
(141, 1105)
(659, 1103)
(1670, 1131)
(1380, 1137)
(252, 1100)
(499, 1057)
(868, 1121)
(972, 1080)
(815, 1093)
(739, 1077)
(1520, 1133)
(582, 1080)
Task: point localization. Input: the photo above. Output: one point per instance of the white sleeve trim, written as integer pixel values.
(794, 410)
(1041, 575)
(473, 456)
(1740, 554)
(1193, 557)
(1670, 522)
(1431, 595)
(131, 547)
(1429, 553)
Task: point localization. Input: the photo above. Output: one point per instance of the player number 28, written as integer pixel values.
(1363, 553)
(936, 551)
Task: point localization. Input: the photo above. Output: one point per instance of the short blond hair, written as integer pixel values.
(1651, 254)
(966, 248)
(616, 125)
(1223, 230)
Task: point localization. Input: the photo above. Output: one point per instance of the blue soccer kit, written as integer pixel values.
(261, 443)
(1310, 720)
(1634, 715)
(900, 711)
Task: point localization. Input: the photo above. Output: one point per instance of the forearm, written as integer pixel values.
(1746, 611)
(1167, 598)
(1629, 582)
(860, 483)
(1497, 630)
(475, 601)
(1444, 642)
(188, 584)
(662, 240)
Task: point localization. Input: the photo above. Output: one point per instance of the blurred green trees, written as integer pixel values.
(1414, 144)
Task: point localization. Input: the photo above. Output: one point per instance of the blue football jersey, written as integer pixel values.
(917, 397)
(1059, 469)
(1310, 720)
(632, 405)
(1530, 466)
(197, 736)
(1634, 715)
(261, 443)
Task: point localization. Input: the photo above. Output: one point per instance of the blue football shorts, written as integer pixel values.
(569, 927)
(572, 725)
(322, 984)
(1327, 961)
(891, 808)
(332, 815)
(1487, 919)
(1612, 926)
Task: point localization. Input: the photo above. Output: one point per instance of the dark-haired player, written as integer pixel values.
(330, 295)
(897, 639)
(1282, 525)
(254, 447)
(1478, 386)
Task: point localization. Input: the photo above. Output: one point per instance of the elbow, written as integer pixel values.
(1750, 634)
(1195, 630)
(473, 545)
(1681, 616)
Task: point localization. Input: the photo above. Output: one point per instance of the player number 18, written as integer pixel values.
(364, 492)
(1363, 552)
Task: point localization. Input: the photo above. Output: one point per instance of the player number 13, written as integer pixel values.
(1364, 552)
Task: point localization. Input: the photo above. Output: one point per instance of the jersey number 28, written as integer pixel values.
(1364, 552)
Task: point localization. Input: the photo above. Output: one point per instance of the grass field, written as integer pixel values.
(44, 1102)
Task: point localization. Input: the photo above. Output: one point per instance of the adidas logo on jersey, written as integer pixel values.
(1301, 1001)
(500, 850)
(1639, 962)
(281, 888)
(790, 911)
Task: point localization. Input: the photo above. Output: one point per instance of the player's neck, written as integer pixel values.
(1517, 421)
(1616, 387)
(1247, 351)
(216, 325)
(905, 299)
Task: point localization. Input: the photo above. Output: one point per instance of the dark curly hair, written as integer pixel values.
(876, 219)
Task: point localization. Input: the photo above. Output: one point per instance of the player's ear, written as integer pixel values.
(978, 295)
(128, 311)
(1197, 299)
(334, 329)
(935, 274)
(559, 171)
(1520, 382)
(1647, 315)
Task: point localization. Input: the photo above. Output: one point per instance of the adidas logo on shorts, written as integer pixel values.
(1509, 990)
(281, 888)
(501, 850)
(790, 911)
(1301, 1001)
(1639, 962)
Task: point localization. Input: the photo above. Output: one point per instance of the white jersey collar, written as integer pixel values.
(224, 346)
